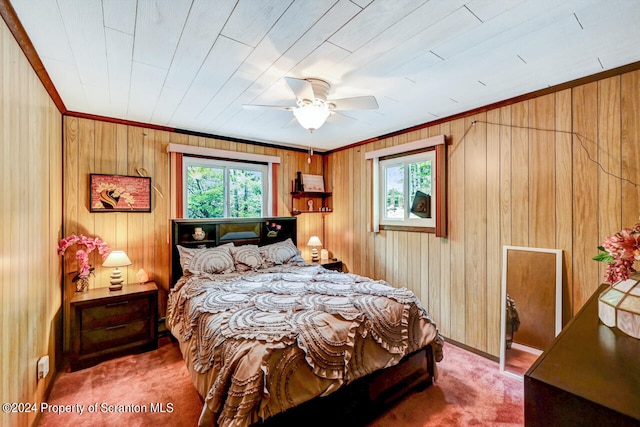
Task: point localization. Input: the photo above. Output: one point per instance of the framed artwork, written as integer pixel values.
(119, 193)
(313, 183)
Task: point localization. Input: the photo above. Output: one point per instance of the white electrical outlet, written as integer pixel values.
(43, 367)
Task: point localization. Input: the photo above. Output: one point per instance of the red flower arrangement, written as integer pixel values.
(82, 255)
(620, 251)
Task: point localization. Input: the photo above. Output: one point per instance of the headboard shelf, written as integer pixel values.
(218, 231)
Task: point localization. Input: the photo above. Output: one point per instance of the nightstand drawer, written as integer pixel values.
(107, 323)
(93, 340)
(116, 313)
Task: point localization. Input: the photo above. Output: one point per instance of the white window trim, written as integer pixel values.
(223, 154)
(399, 149)
(404, 148)
(226, 164)
(410, 222)
(232, 155)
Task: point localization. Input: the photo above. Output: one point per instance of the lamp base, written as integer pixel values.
(314, 255)
(116, 280)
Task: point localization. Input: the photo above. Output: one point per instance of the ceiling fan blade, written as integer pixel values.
(266, 107)
(291, 123)
(301, 88)
(340, 118)
(355, 103)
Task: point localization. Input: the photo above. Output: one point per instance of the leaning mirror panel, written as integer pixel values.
(531, 306)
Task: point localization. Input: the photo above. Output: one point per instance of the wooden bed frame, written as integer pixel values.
(239, 231)
(357, 402)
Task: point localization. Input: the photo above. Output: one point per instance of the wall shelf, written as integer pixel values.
(316, 196)
(295, 212)
(323, 194)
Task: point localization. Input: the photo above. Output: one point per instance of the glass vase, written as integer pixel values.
(82, 284)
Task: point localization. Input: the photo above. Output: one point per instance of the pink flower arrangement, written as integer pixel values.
(82, 255)
(272, 229)
(620, 251)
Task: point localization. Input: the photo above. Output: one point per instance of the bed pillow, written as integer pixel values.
(206, 260)
(247, 257)
(280, 253)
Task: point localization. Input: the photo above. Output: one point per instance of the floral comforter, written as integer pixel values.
(258, 343)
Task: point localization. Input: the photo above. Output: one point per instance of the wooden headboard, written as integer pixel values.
(239, 231)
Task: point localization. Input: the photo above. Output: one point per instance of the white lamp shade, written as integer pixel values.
(116, 259)
(311, 116)
(314, 241)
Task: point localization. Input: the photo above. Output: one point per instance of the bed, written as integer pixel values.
(269, 338)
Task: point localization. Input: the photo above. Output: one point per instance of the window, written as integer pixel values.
(406, 195)
(409, 187)
(224, 189)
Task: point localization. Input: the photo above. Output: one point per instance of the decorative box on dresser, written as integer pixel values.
(106, 324)
(589, 376)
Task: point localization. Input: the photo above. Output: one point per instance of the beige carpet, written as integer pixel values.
(156, 385)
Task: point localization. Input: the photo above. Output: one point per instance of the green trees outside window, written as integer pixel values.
(403, 179)
(220, 189)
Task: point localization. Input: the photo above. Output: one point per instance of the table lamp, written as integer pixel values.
(314, 241)
(116, 259)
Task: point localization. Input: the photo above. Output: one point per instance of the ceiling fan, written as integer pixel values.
(312, 106)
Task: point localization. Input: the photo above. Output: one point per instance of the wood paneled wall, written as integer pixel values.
(93, 146)
(30, 226)
(519, 176)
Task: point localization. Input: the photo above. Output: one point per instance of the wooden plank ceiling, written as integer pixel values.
(192, 64)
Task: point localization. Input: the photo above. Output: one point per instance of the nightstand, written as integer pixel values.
(106, 324)
(330, 264)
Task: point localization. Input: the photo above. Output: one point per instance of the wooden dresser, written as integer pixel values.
(106, 323)
(589, 376)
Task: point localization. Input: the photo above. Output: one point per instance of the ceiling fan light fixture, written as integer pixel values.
(312, 116)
